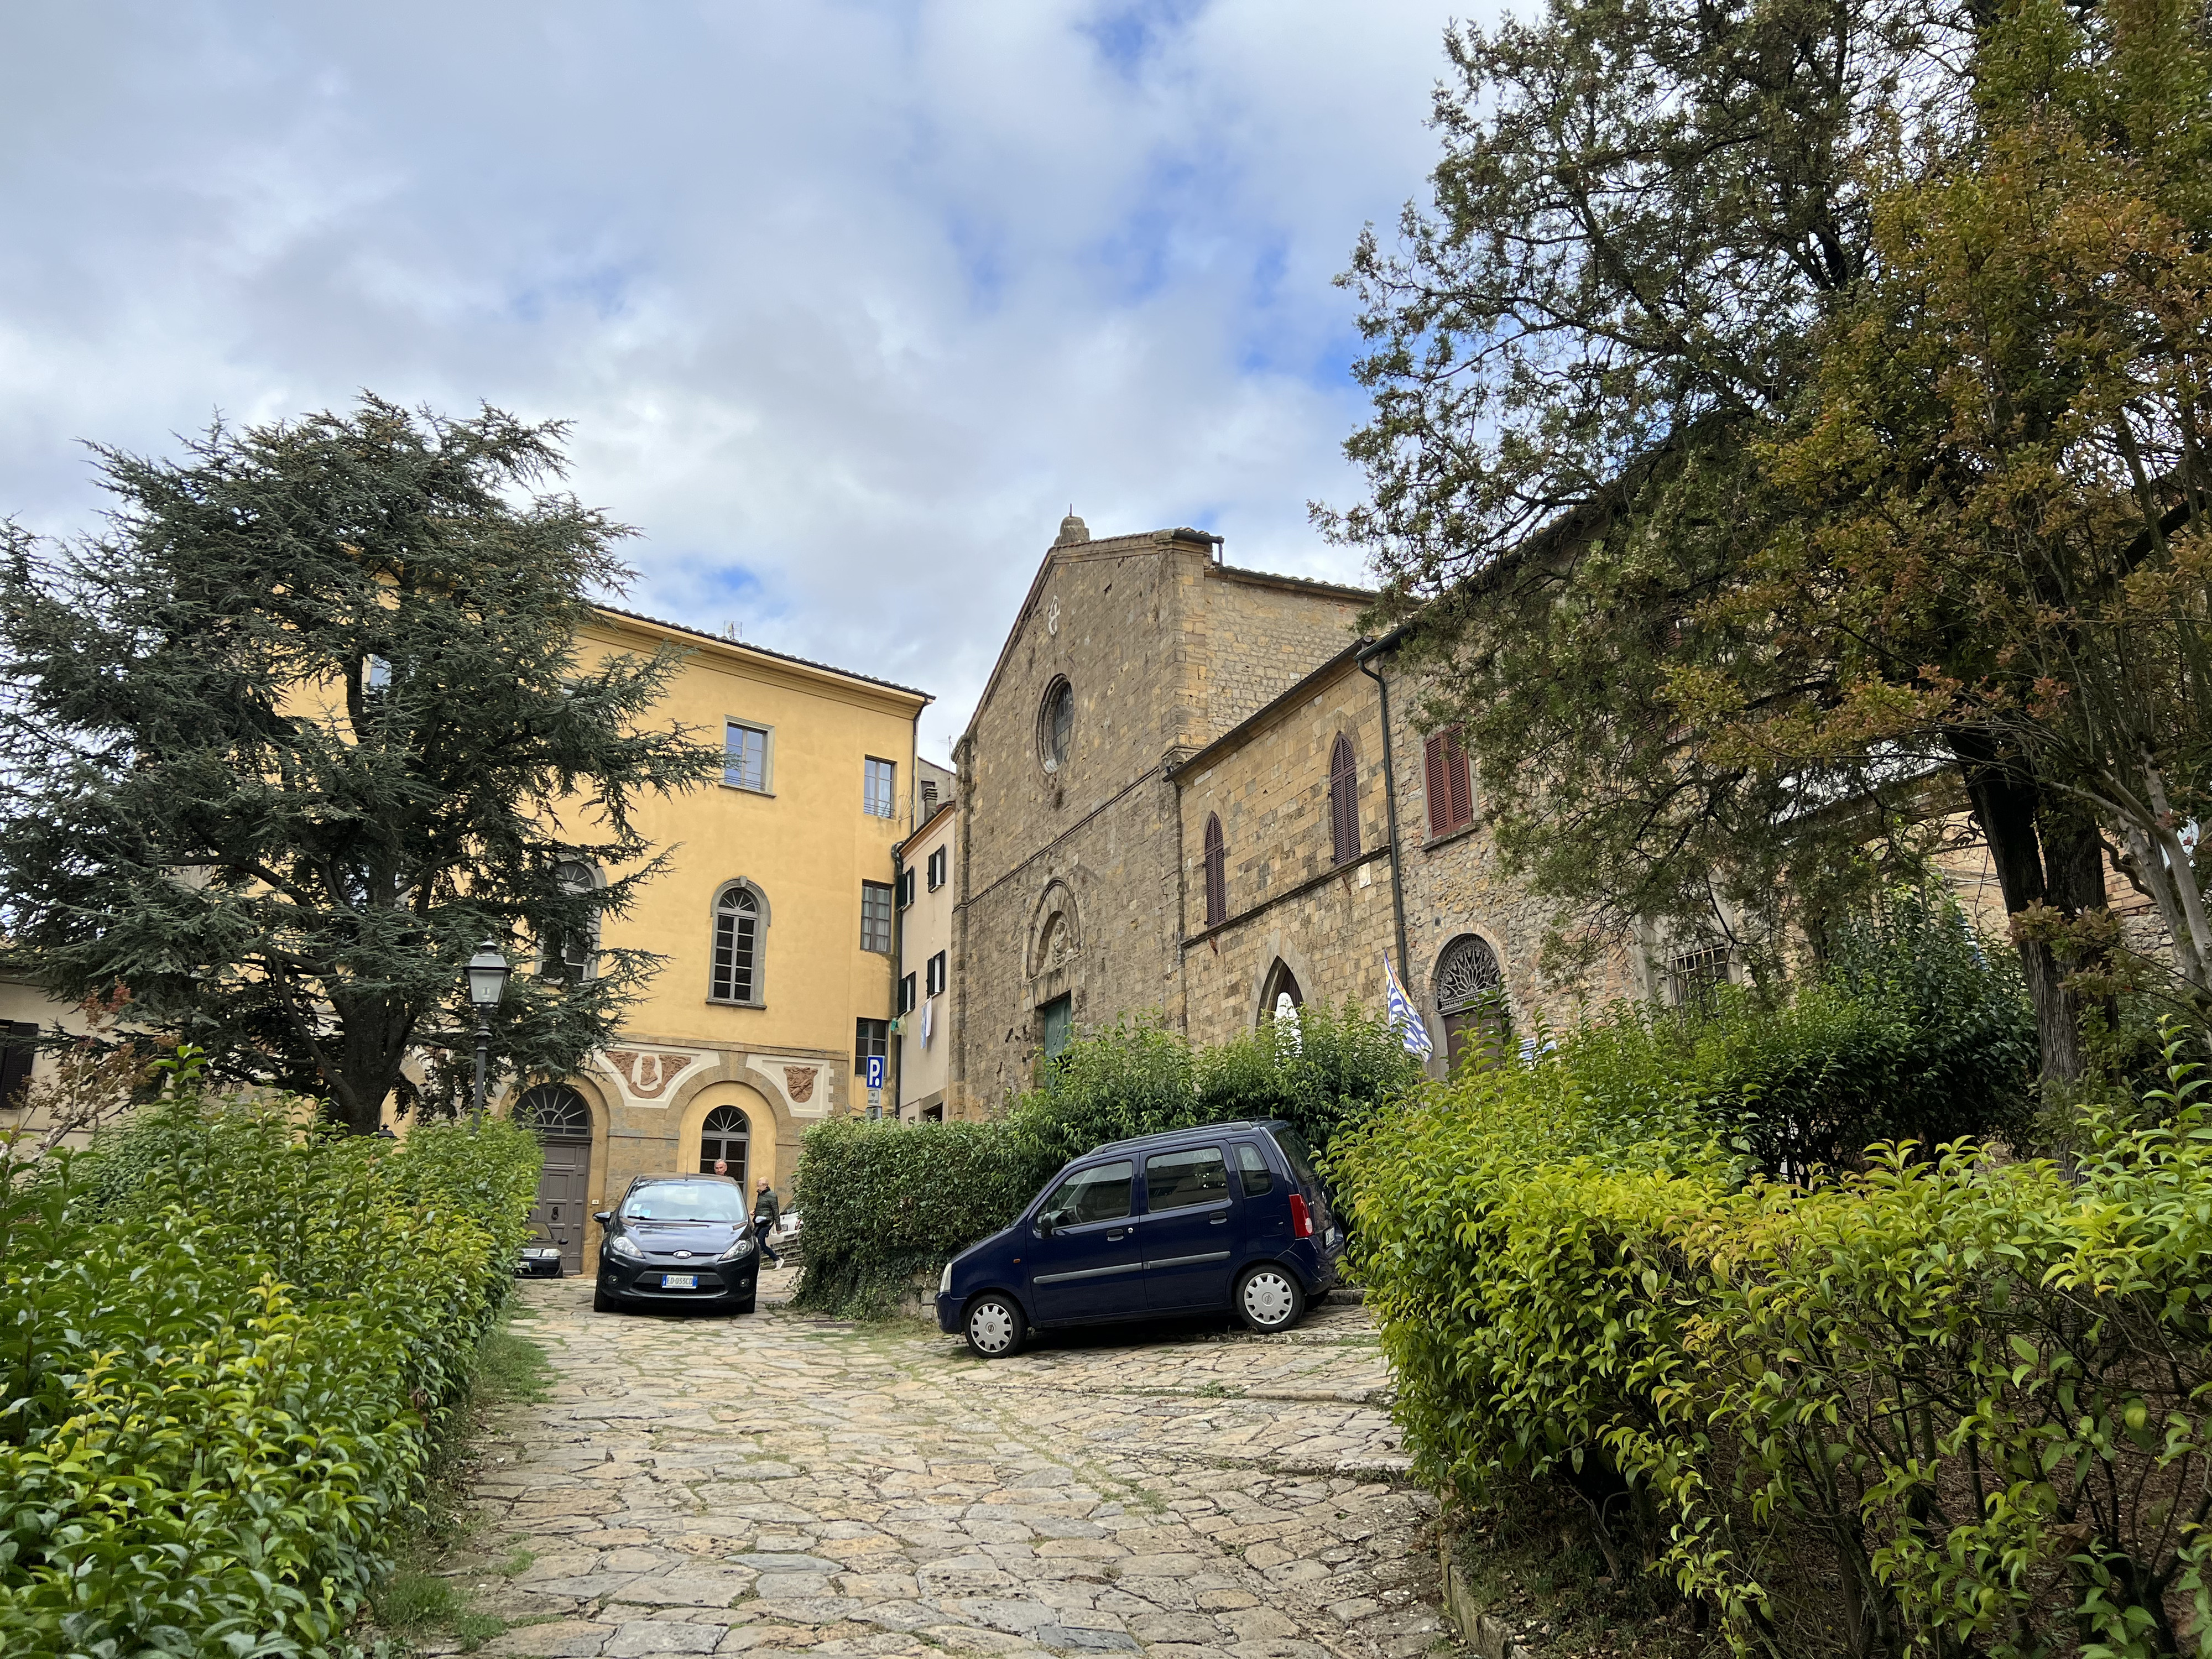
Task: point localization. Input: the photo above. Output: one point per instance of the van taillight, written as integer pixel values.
(1301, 1216)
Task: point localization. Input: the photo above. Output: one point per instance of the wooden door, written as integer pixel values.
(558, 1217)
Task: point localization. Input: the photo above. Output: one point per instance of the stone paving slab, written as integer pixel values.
(696, 1485)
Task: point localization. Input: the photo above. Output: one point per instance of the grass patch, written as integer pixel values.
(416, 1600)
(512, 1370)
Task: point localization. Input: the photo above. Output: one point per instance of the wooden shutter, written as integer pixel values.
(1438, 790)
(1216, 874)
(1463, 786)
(1450, 791)
(1343, 801)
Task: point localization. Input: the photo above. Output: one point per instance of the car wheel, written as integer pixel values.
(1269, 1299)
(602, 1303)
(995, 1326)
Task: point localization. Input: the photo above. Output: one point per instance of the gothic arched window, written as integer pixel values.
(740, 916)
(1280, 1000)
(1217, 873)
(1470, 997)
(1343, 801)
(727, 1135)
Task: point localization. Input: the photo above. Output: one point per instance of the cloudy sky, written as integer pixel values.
(848, 300)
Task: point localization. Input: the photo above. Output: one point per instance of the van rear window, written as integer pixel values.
(1294, 1148)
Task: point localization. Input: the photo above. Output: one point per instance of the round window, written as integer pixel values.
(1055, 721)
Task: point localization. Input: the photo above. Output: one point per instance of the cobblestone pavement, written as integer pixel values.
(696, 1485)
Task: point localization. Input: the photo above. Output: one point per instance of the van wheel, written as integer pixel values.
(1269, 1299)
(995, 1326)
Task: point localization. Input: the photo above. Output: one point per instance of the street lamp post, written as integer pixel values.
(486, 974)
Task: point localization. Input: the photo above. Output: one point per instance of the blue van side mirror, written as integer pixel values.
(1044, 1225)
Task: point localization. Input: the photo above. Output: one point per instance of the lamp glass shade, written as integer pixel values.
(488, 971)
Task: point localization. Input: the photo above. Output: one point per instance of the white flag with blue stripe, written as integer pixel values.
(1411, 1029)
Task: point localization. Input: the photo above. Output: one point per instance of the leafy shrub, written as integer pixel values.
(1912, 1031)
(1942, 1403)
(885, 1202)
(226, 1341)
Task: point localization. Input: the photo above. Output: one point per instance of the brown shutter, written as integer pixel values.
(1439, 789)
(1343, 801)
(1462, 787)
(1216, 874)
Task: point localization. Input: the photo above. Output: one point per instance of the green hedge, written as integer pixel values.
(1954, 1404)
(225, 1345)
(885, 1202)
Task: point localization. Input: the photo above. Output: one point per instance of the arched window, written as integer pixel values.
(727, 1135)
(740, 915)
(1343, 801)
(1055, 724)
(1217, 873)
(1470, 992)
(554, 1111)
(1280, 999)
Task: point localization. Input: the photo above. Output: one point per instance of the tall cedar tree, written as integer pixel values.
(305, 725)
(1652, 220)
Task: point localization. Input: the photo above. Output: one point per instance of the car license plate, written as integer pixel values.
(679, 1281)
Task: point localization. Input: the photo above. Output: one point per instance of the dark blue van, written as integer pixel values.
(1228, 1217)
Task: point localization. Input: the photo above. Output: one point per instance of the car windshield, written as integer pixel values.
(685, 1200)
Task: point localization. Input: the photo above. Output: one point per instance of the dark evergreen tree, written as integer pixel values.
(305, 724)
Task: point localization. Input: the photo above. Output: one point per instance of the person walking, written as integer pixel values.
(768, 1216)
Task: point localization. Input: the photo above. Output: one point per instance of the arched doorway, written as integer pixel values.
(727, 1135)
(558, 1116)
(1280, 999)
(1470, 997)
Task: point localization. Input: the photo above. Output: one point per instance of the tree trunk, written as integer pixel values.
(2043, 855)
(372, 1045)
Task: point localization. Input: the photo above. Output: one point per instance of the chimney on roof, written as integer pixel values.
(1072, 529)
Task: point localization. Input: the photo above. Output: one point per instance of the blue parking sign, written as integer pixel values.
(875, 1071)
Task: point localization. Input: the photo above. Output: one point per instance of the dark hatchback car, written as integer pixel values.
(1229, 1217)
(678, 1239)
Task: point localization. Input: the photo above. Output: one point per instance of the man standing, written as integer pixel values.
(768, 1216)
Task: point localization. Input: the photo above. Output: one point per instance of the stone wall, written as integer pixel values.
(1288, 905)
(1256, 636)
(1289, 901)
(1456, 884)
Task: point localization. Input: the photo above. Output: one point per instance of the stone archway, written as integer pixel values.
(1056, 931)
(1287, 968)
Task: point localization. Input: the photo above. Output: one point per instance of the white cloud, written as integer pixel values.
(848, 301)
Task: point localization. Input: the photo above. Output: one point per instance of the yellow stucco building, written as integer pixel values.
(777, 919)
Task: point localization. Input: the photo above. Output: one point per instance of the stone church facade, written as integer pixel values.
(1176, 800)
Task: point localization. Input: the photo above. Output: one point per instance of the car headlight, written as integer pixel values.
(738, 1251)
(621, 1246)
(944, 1281)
